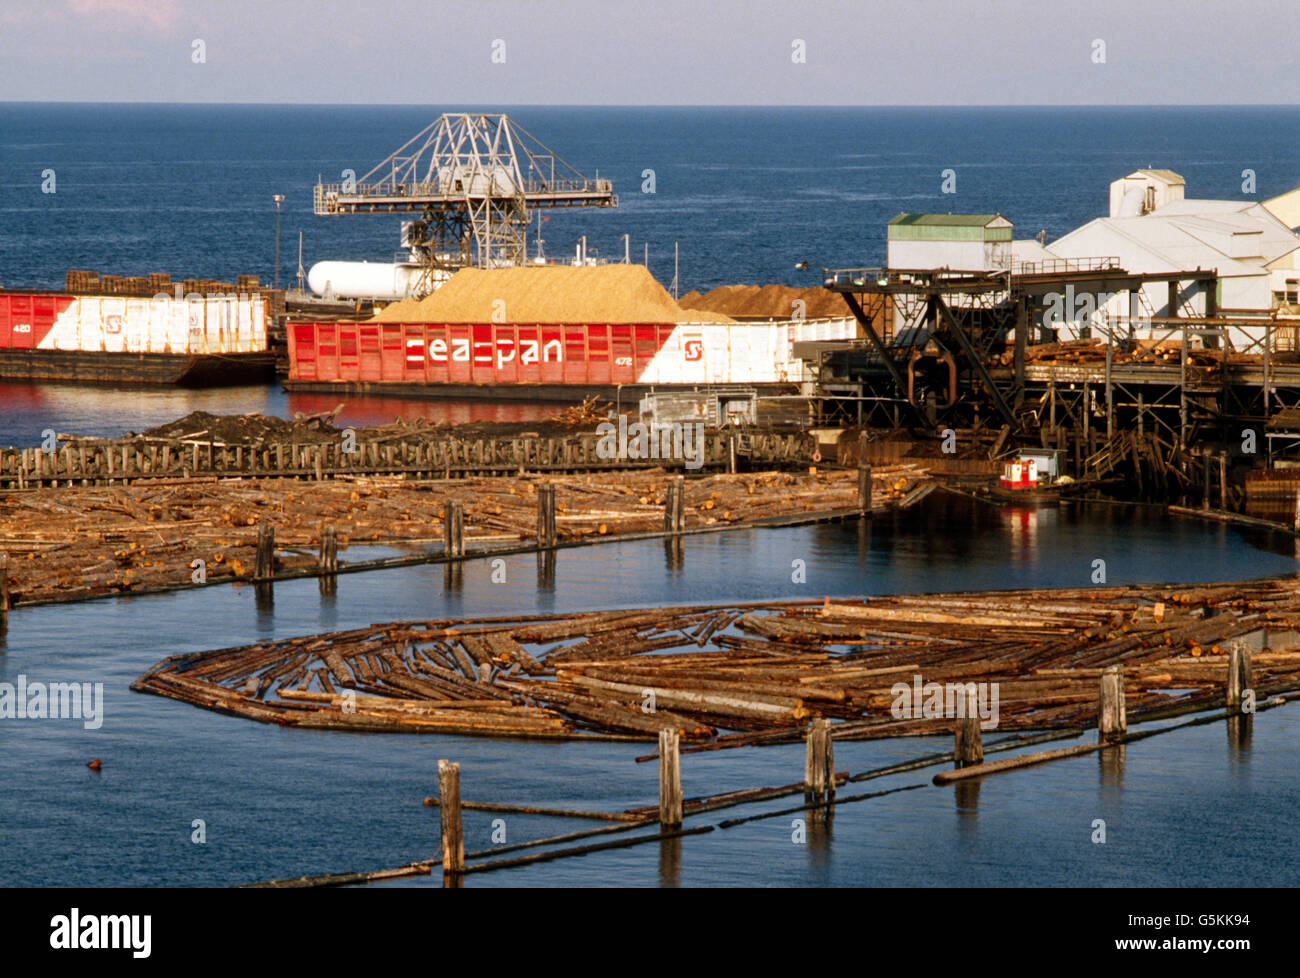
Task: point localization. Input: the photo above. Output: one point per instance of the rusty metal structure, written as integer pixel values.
(472, 180)
(969, 350)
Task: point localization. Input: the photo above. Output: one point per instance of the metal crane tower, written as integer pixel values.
(472, 179)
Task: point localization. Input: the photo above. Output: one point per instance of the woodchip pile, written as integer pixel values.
(769, 301)
(739, 674)
(546, 294)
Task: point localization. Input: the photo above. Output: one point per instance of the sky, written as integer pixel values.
(652, 52)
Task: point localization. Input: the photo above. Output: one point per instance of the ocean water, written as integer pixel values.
(746, 193)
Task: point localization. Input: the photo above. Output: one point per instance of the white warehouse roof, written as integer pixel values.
(1236, 238)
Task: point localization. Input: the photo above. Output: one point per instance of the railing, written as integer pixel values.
(327, 196)
(854, 276)
(1061, 266)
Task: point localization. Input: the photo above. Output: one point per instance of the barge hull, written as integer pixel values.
(557, 393)
(137, 368)
(549, 361)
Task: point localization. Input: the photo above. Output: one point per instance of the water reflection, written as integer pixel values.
(1240, 728)
(103, 411)
(546, 570)
(670, 861)
(819, 821)
(966, 795)
(674, 554)
(453, 575)
(1110, 763)
(264, 598)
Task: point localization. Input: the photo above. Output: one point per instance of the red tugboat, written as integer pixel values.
(1032, 477)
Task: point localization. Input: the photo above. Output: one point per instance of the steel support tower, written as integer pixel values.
(473, 180)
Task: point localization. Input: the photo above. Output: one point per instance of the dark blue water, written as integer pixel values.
(282, 802)
(747, 193)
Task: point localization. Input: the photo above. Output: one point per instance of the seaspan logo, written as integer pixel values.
(482, 351)
(112, 324)
(694, 347)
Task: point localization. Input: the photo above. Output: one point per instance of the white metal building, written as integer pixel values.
(1152, 227)
(960, 242)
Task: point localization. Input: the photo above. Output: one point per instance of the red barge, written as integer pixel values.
(193, 340)
(549, 333)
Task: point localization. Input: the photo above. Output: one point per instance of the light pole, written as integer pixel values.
(279, 199)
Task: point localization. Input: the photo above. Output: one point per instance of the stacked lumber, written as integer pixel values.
(1090, 351)
(740, 674)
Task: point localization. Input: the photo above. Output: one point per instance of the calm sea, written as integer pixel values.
(746, 193)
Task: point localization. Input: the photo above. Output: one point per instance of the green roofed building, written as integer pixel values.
(968, 242)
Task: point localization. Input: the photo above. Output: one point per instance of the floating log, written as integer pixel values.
(1060, 660)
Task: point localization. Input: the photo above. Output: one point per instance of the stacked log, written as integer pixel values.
(73, 543)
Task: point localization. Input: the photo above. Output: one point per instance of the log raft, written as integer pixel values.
(749, 674)
(72, 544)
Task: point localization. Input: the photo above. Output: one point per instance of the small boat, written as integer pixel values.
(1033, 478)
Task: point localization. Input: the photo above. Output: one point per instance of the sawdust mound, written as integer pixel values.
(547, 294)
(770, 301)
(245, 429)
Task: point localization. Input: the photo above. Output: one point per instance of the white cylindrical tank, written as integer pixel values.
(363, 279)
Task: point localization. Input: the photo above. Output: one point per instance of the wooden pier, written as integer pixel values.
(415, 455)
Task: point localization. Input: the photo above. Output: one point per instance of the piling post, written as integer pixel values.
(1205, 499)
(329, 549)
(265, 550)
(1296, 519)
(731, 452)
(453, 840)
(675, 505)
(546, 516)
(1223, 481)
(1112, 718)
(864, 488)
(819, 763)
(1239, 679)
(454, 528)
(670, 778)
(4, 583)
(968, 747)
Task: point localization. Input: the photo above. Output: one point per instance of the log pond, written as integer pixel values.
(272, 802)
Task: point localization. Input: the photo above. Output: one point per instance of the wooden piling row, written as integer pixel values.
(425, 455)
(71, 544)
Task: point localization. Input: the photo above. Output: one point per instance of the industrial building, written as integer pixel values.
(1251, 250)
(1153, 227)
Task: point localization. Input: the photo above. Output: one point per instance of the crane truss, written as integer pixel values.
(473, 180)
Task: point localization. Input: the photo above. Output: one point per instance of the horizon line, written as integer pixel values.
(686, 105)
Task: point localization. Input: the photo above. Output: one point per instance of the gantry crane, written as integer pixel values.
(472, 179)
